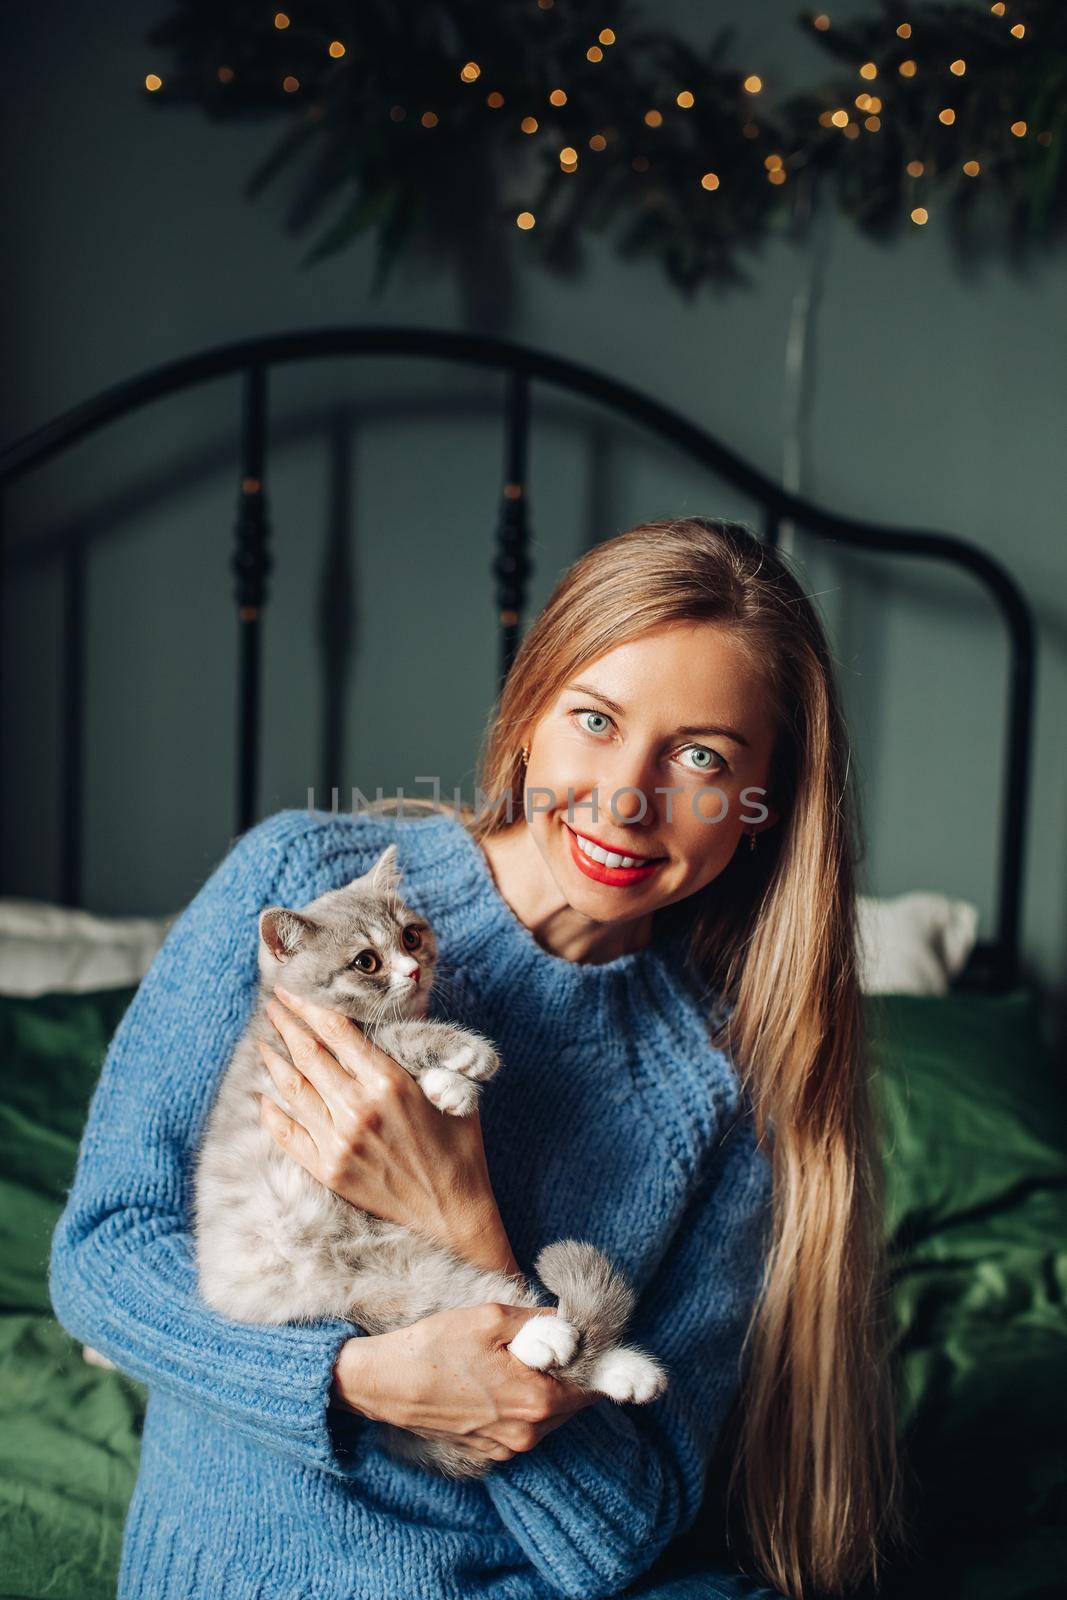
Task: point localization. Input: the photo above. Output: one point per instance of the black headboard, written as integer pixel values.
(994, 964)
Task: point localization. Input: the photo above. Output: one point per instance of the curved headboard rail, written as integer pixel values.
(995, 963)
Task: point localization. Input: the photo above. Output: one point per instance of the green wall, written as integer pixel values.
(938, 402)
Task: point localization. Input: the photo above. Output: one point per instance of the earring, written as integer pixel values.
(525, 753)
(751, 843)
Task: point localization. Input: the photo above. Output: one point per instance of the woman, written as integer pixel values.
(683, 1085)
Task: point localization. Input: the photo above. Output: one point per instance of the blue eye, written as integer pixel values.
(702, 750)
(586, 711)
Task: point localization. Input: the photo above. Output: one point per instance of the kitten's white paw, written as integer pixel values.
(628, 1375)
(448, 1091)
(476, 1061)
(544, 1342)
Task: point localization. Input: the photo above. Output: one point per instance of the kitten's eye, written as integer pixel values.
(412, 937)
(367, 961)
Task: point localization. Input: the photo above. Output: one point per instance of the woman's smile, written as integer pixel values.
(614, 868)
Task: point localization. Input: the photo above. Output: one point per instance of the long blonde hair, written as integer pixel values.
(774, 933)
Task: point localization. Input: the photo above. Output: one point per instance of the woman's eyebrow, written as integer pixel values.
(728, 733)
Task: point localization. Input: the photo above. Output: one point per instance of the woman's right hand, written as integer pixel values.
(450, 1376)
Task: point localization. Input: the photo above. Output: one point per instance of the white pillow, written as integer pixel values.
(913, 943)
(46, 948)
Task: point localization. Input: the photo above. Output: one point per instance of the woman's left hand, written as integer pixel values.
(370, 1134)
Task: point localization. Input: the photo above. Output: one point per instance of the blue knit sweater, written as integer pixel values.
(612, 1119)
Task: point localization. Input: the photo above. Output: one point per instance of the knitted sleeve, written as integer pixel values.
(122, 1272)
(597, 1501)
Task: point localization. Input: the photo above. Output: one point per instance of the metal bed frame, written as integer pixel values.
(994, 964)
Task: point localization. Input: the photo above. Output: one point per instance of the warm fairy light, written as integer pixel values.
(526, 219)
(153, 82)
(606, 36)
(568, 156)
(397, 113)
(337, 49)
(904, 31)
(640, 163)
(1019, 129)
(1019, 30)
(826, 119)
(777, 175)
(863, 102)
(874, 104)
(225, 74)
(686, 99)
(947, 116)
(822, 22)
(654, 119)
(558, 97)
(528, 124)
(868, 70)
(999, 9)
(840, 119)
(598, 142)
(290, 84)
(872, 124)
(852, 131)
(429, 119)
(470, 72)
(750, 130)
(958, 67)
(496, 99)
(971, 168)
(915, 169)
(594, 53)
(907, 69)
(920, 215)
(753, 84)
(710, 180)
(280, 19)
(772, 162)
(545, 5)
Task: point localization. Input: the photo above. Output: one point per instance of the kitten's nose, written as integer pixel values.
(414, 976)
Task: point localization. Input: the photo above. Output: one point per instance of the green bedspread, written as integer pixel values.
(976, 1142)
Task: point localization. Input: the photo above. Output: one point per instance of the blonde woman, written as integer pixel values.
(651, 911)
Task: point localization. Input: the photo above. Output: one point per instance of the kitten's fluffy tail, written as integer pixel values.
(592, 1294)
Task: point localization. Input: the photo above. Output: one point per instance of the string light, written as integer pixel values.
(225, 74)
(868, 70)
(840, 119)
(686, 100)
(1019, 129)
(280, 20)
(526, 219)
(598, 142)
(594, 53)
(654, 119)
(1019, 30)
(920, 215)
(397, 113)
(904, 31)
(429, 119)
(753, 84)
(971, 168)
(947, 116)
(640, 163)
(915, 169)
(528, 124)
(290, 84)
(771, 162)
(907, 69)
(958, 67)
(558, 97)
(568, 158)
(872, 124)
(606, 36)
(822, 22)
(153, 82)
(496, 99)
(471, 72)
(999, 9)
(852, 131)
(777, 175)
(710, 180)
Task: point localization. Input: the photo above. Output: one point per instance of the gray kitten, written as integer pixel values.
(274, 1245)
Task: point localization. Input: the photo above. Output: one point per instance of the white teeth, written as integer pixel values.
(608, 857)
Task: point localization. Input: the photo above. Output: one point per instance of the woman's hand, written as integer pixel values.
(371, 1135)
(451, 1377)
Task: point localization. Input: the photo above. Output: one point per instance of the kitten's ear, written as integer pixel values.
(384, 876)
(283, 932)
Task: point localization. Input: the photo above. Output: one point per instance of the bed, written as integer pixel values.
(974, 1124)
